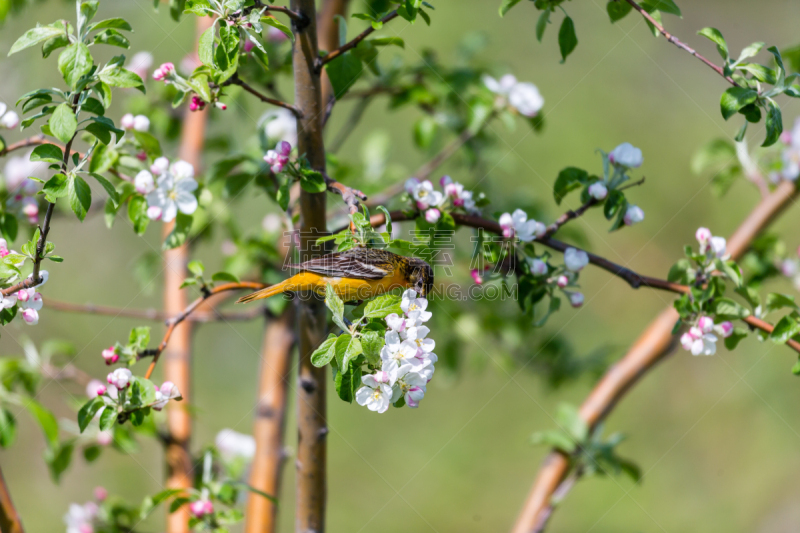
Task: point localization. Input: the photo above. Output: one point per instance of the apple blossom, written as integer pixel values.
(154, 213)
(418, 335)
(110, 355)
(93, 388)
(127, 121)
(705, 324)
(576, 299)
(626, 155)
(538, 267)
(718, 247)
(526, 99)
(575, 259)
(274, 35)
(120, 378)
(507, 225)
(633, 215)
(411, 185)
(398, 351)
(272, 223)
(140, 63)
(280, 125)
(699, 343)
(502, 86)
(104, 438)
(7, 302)
(159, 166)
(375, 395)
(725, 329)
(182, 169)
(407, 384)
(598, 190)
(200, 508)
(433, 215)
(562, 281)
(232, 445)
(80, 518)
(141, 123)
(30, 316)
(9, 120)
(144, 182)
(164, 72)
(174, 192)
(168, 391)
(703, 236)
(100, 494)
(415, 307)
(395, 322)
(277, 159)
(196, 103)
(476, 276)
(426, 196)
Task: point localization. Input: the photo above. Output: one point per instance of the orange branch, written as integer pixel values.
(9, 518)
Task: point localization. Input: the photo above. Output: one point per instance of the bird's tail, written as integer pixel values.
(272, 290)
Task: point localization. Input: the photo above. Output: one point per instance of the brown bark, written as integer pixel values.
(328, 31)
(312, 427)
(268, 429)
(9, 519)
(649, 349)
(177, 364)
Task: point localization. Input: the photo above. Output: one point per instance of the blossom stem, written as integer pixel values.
(652, 346)
(680, 44)
(330, 56)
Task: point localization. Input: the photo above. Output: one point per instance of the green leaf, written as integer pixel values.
(107, 419)
(74, 63)
(424, 131)
(80, 196)
(569, 179)
(275, 23)
(714, 35)
(8, 428)
(116, 76)
(750, 51)
(313, 181)
(774, 123)
(63, 123)
(382, 306)
(88, 411)
(112, 192)
(777, 301)
(103, 158)
(149, 144)
(112, 38)
(137, 214)
(343, 72)
(325, 352)
(784, 330)
(48, 153)
(178, 236)
(555, 439)
(196, 267)
(58, 459)
(227, 277)
(617, 10)
(506, 5)
(665, 6)
(45, 419)
(567, 40)
(726, 308)
(335, 304)
(735, 98)
(569, 419)
(372, 342)
(206, 47)
(541, 24)
(35, 36)
(115, 23)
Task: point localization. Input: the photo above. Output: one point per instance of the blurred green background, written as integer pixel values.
(716, 437)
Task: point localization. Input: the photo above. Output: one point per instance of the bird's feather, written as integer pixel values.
(358, 263)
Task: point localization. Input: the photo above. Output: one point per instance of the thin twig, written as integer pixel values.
(9, 518)
(285, 10)
(235, 80)
(151, 314)
(680, 44)
(24, 143)
(330, 56)
(173, 322)
(349, 195)
(651, 346)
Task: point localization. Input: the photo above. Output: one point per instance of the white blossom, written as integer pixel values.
(418, 335)
(144, 182)
(633, 215)
(426, 196)
(375, 395)
(415, 307)
(598, 190)
(232, 444)
(168, 391)
(575, 259)
(526, 230)
(80, 518)
(526, 98)
(120, 378)
(407, 384)
(280, 125)
(626, 155)
(174, 192)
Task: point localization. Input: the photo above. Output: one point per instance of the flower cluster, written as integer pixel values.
(173, 191)
(28, 302)
(524, 97)
(432, 202)
(81, 518)
(136, 123)
(701, 338)
(8, 119)
(277, 159)
(713, 247)
(167, 73)
(517, 225)
(407, 359)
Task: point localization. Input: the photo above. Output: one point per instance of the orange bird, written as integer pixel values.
(355, 274)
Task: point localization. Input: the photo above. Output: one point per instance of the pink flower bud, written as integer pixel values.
(538, 267)
(23, 295)
(101, 389)
(284, 148)
(110, 355)
(164, 71)
(159, 166)
(141, 156)
(476, 276)
(10, 120)
(633, 215)
(30, 316)
(127, 121)
(196, 104)
(411, 185)
(724, 328)
(598, 190)
(92, 388)
(696, 333)
(100, 494)
(433, 215)
(786, 137)
(221, 106)
(508, 233)
(703, 235)
(444, 181)
(248, 46)
(705, 324)
(200, 508)
(154, 212)
(104, 438)
(686, 341)
(562, 281)
(576, 299)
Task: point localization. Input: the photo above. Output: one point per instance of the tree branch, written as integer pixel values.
(151, 314)
(649, 349)
(269, 425)
(235, 80)
(680, 44)
(278, 9)
(9, 518)
(349, 195)
(330, 56)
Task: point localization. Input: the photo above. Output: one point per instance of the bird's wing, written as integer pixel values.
(346, 265)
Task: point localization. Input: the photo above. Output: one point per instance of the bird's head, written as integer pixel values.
(421, 277)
